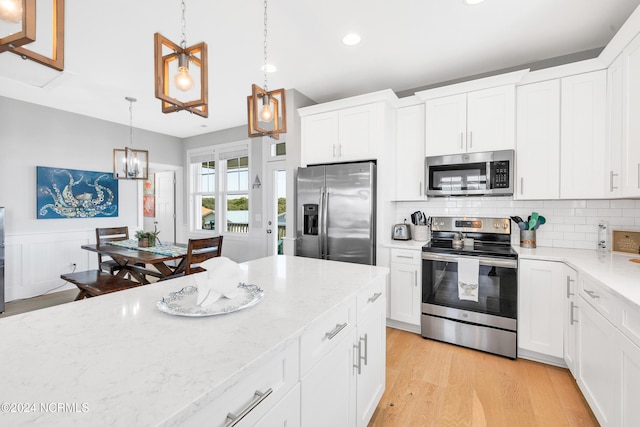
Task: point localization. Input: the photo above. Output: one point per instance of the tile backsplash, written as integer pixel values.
(570, 223)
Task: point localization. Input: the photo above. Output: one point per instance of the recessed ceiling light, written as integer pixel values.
(472, 2)
(269, 68)
(351, 39)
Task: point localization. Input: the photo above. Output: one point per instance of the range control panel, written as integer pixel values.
(471, 225)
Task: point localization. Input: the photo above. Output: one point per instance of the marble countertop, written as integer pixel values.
(614, 270)
(118, 360)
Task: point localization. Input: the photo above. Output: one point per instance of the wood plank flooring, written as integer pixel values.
(430, 383)
(36, 303)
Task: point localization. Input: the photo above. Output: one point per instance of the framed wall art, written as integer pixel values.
(71, 193)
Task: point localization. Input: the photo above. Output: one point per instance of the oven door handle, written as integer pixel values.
(492, 262)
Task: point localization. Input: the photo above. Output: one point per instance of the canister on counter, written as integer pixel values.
(528, 238)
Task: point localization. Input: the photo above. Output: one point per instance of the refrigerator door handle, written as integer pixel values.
(325, 213)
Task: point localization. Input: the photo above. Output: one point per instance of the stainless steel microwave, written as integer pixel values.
(488, 173)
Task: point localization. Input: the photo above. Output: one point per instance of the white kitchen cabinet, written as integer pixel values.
(541, 286)
(482, 120)
(410, 145)
(538, 141)
(286, 413)
(342, 135)
(596, 361)
(582, 136)
(370, 353)
(615, 133)
(627, 388)
(570, 319)
(631, 125)
(405, 288)
(343, 364)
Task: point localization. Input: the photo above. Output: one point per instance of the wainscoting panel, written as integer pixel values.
(34, 262)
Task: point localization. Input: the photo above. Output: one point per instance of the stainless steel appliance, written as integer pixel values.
(490, 323)
(401, 232)
(2, 260)
(488, 173)
(336, 212)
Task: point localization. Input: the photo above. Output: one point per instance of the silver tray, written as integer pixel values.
(183, 302)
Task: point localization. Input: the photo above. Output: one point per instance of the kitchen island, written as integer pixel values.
(118, 360)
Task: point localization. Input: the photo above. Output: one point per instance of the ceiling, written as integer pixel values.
(405, 44)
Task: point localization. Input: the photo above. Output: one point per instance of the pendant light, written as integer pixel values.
(188, 77)
(14, 40)
(266, 109)
(130, 163)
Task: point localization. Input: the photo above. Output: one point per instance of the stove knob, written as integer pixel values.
(496, 225)
(505, 225)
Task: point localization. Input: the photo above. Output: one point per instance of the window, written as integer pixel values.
(220, 189)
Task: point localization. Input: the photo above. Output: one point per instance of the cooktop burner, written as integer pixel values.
(478, 249)
(491, 236)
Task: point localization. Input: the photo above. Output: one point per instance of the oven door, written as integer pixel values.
(497, 291)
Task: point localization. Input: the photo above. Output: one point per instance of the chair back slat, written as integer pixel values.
(200, 250)
(106, 234)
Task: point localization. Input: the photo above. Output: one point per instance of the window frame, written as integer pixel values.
(219, 154)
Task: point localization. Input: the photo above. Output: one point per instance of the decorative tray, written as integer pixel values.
(183, 302)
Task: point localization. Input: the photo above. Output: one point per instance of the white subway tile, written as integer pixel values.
(609, 212)
(624, 204)
(564, 227)
(565, 204)
(574, 236)
(564, 211)
(631, 212)
(586, 212)
(586, 228)
(563, 244)
(586, 244)
(597, 203)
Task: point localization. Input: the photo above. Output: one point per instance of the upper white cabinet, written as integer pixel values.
(582, 140)
(538, 141)
(410, 153)
(630, 181)
(343, 135)
(540, 307)
(615, 133)
(481, 120)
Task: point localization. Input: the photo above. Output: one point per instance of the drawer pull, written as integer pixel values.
(404, 256)
(374, 297)
(592, 294)
(365, 358)
(358, 364)
(258, 397)
(335, 330)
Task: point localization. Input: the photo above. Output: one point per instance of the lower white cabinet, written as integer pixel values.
(596, 362)
(343, 363)
(570, 319)
(540, 307)
(405, 287)
(286, 413)
(627, 389)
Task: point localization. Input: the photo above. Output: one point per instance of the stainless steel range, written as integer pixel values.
(470, 284)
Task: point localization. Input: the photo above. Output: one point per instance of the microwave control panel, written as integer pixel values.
(500, 174)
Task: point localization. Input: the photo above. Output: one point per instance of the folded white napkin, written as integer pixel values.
(220, 280)
(468, 272)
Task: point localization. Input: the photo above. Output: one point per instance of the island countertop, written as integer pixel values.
(118, 360)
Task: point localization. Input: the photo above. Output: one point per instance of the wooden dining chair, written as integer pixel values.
(200, 250)
(104, 235)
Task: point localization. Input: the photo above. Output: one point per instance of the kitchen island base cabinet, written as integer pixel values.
(628, 374)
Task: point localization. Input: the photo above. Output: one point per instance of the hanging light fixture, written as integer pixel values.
(15, 41)
(266, 109)
(20, 23)
(130, 163)
(171, 76)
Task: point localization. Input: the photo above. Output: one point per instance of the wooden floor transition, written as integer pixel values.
(430, 383)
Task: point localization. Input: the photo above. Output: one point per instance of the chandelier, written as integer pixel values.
(129, 163)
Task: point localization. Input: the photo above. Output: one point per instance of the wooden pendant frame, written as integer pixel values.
(197, 56)
(28, 32)
(56, 61)
(278, 104)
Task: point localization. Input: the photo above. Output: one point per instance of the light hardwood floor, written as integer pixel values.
(36, 303)
(430, 383)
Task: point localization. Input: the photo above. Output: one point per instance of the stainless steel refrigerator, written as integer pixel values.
(1, 260)
(336, 212)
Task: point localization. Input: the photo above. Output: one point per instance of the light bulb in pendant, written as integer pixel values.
(11, 10)
(183, 79)
(266, 115)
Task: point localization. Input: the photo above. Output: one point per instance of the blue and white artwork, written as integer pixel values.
(70, 193)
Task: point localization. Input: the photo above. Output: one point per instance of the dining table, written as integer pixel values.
(133, 259)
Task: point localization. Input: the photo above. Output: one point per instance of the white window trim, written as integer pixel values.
(218, 153)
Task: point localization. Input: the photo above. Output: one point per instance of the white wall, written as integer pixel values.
(570, 223)
(38, 251)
